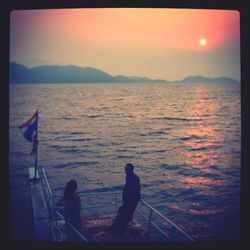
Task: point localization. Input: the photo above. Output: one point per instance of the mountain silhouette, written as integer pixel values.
(74, 74)
(67, 74)
(195, 79)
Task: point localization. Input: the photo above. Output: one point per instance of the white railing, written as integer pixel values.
(158, 224)
(71, 227)
(96, 204)
(155, 225)
(56, 215)
(49, 200)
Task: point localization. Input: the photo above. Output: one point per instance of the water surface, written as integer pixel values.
(184, 140)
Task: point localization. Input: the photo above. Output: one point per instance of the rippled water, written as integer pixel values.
(184, 140)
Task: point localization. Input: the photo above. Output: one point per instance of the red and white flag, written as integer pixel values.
(29, 128)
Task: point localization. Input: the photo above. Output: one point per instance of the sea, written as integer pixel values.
(184, 140)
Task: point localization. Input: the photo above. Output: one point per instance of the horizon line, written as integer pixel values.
(66, 65)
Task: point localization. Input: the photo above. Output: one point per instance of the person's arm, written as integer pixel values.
(135, 192)
(138, 189)
(79, 207)
(125, 192)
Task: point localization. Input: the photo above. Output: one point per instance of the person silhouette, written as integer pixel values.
(131, 195)
(72, 208)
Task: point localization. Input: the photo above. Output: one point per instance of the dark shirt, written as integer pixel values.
(132, 189)
(72, 209)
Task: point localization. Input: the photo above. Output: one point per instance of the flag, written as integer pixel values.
(29, 128)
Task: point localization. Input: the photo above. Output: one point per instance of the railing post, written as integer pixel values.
(53, 219)
(50, 204)
(56, 230)
(149, 221)
(116, 202)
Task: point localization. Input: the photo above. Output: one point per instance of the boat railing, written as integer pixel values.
(106, 203)
(49, 200)
(159, 226)
(155, 225)
(58, 223)
(62, 235)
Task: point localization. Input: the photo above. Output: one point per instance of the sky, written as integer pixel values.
(160, 43)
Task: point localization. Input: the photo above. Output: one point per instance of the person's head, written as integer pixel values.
(70, 188)
(129, 168)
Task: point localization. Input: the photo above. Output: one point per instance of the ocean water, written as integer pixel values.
(183, 139)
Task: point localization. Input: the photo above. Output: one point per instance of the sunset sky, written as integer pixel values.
(162, 43)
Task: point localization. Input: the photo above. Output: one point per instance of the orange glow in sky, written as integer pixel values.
(142, 41)
(172, 28)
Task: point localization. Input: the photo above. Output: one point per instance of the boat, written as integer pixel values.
(98, 212)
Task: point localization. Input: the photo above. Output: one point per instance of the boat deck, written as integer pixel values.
(98, 212)
(98, 230)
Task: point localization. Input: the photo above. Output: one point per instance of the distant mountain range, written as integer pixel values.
(73, 74)
(194, 79)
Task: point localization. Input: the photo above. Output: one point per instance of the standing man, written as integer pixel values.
(130, 196)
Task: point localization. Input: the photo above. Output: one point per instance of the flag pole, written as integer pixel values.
(36, 162)
(36, 145)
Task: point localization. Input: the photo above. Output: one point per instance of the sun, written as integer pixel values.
(203, 41)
